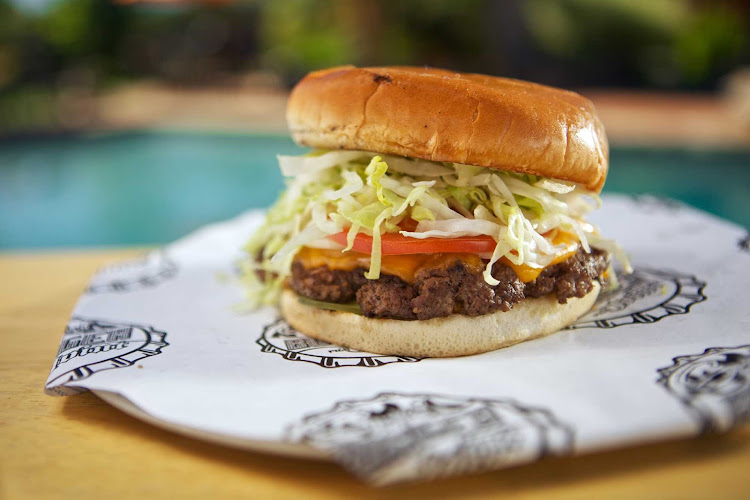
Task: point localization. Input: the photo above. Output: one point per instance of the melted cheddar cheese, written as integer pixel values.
(407, 267)
(527, 273)
(403, 266)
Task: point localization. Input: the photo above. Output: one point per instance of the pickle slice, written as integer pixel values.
(330, 306)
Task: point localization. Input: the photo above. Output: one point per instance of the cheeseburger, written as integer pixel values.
(439, 213)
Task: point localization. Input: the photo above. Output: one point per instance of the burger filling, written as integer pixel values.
(393, 237)
(448, 284)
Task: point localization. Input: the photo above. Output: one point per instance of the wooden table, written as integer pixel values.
(79, 447)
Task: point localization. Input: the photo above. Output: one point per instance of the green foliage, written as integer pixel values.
(664, 42)
(69, 27)
(670, 43)
(304, 34)
(711, 43)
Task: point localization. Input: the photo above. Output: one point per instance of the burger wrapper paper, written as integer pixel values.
(665, 356)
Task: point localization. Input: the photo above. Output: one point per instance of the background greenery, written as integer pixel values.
(52, 51)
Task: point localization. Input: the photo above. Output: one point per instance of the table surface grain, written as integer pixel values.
(80, 447)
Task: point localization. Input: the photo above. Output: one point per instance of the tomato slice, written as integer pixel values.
(396, 244)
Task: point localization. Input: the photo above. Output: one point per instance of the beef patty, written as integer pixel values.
(448, 289)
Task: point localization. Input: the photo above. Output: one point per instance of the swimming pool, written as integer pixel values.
(151, 187)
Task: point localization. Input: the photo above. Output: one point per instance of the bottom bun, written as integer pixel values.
(455, 335)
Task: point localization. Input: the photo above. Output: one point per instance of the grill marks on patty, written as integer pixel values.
(448, 289)
(571, 278)
(387, 297)
(454, 289)
(321, 283)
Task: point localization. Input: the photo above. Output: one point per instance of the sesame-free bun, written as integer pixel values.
(454, 117)
(455, 335)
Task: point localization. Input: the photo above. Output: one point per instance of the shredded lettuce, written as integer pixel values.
(356, 192)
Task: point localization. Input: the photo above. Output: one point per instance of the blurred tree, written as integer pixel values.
(195, 44)
(439, 33)
(667, 43)
(714, 41)
(67, 49)
(301, 35)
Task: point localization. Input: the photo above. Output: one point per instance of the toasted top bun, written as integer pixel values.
(455, 117)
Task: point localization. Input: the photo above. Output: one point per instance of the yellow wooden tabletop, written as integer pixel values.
(79, 447)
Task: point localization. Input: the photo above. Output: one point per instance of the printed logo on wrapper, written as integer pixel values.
(147, 271)
(91, 345)
(650, 203)
(395, 437)
(645, 296)
(280, 338)
(715, 385)
(744, 244)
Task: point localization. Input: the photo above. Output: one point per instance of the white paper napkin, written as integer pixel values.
(665, 356)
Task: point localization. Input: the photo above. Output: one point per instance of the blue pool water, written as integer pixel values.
(151, 187)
